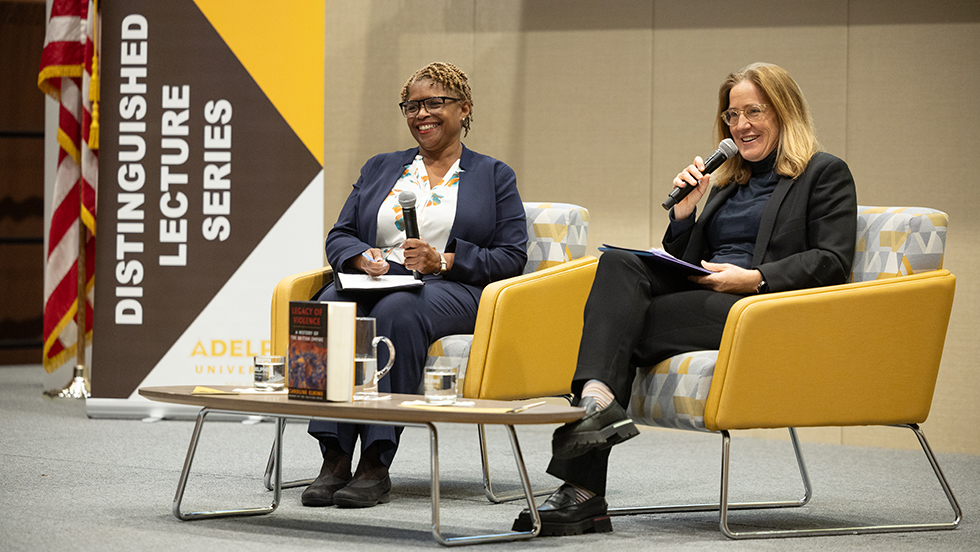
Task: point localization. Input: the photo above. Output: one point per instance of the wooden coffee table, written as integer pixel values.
(383, 412)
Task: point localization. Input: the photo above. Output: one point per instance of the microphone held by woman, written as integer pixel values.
(725, 150)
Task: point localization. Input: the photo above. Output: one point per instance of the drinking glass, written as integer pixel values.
(366, 373)
(270, 373)
(440, 384)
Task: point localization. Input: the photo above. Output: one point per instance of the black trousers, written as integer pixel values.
(637, 315)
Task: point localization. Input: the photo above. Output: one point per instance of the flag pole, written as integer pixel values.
(78, 388)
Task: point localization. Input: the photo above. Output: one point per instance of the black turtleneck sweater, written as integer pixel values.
(732, 232)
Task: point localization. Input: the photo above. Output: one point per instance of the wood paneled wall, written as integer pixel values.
(21, 183)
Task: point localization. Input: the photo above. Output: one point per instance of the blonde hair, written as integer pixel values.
(452, 78)
(797, 137)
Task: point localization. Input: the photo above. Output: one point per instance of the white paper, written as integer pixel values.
(388, 281)
(423, 403)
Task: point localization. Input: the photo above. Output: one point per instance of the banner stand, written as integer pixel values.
(210, 195)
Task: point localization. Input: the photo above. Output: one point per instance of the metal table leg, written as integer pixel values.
(189, 460)
(276, 465)
(271, 466)
(488, 483)
(476, 539)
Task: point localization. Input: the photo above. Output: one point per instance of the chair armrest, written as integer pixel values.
(527, 334)
(866, 353)
(298, 287)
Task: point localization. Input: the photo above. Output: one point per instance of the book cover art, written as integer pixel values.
(308, 350)
(321, 350)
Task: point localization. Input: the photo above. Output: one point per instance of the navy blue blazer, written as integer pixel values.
(489, 234)
(808, 230)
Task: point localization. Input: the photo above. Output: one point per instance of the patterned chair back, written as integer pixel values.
(891, 241)
(898, 241)
(556, 232)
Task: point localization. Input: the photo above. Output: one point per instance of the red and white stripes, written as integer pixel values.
(65, 75)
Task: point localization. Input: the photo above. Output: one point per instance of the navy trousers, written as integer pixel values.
(637, 315)
(412, 319)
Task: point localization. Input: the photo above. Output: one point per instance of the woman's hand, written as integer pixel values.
(728, 278)
(371, 262)
(421, 256)
(691, 176)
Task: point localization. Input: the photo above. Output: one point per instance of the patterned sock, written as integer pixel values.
(581, 495)
(600, 391)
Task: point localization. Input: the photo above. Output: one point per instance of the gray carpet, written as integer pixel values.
(71, 483)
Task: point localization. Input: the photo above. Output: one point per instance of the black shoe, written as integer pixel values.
(364, 493)
(598, 430)
(561, 516)
(322, 490)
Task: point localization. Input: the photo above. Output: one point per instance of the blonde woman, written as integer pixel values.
(781, 216)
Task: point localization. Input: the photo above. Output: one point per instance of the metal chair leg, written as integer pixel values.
(189, 460)
(488, 484)
(682, 508)
(724, 506)
(958, 514)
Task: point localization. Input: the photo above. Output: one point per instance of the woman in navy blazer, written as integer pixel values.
(782, 217)
(472, 232)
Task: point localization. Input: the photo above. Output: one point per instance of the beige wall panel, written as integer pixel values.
(566, 102)
(372, 48)
(913, 117)
(602, 103)
(697, 44)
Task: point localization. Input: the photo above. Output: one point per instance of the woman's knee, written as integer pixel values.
(615, 261)
(398, 309)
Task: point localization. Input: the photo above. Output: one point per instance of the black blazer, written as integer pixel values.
(808, 229)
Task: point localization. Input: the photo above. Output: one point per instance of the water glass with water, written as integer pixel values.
(270, 372)
(440, 384)
(366, 373)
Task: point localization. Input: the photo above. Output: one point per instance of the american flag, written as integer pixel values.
(67, 65)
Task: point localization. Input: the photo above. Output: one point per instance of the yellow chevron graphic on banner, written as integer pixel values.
(281, 46)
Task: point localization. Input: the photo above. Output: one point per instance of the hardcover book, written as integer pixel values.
(321, 351)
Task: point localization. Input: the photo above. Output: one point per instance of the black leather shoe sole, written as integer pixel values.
(599, 524)
(607, 427)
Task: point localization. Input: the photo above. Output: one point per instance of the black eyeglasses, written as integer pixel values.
(432, 105)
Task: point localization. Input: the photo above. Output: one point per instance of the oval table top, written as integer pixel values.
(471, 411)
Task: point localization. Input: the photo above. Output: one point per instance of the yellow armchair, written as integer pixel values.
(518, 319)
(863, 353)
(527, 332)
(856, 354)
(296, 287)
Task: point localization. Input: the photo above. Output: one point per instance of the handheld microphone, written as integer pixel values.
(407, 200)
(726, 149)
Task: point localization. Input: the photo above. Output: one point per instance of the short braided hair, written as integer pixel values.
(452, 78)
